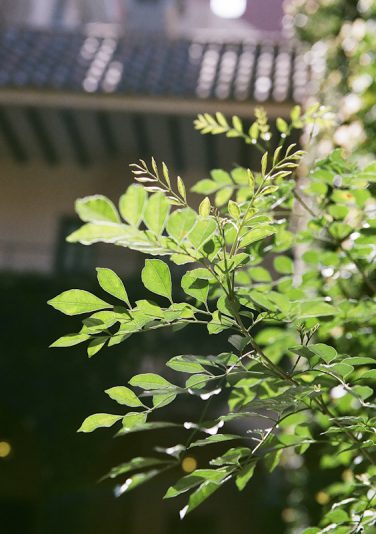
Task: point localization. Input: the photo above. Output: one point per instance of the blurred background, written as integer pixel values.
(86, 88)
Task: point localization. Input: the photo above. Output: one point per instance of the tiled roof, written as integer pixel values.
(137, 65)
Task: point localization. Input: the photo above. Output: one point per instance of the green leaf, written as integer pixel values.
(217, 438)
(156, 277)
(205, 207)
(240, 176)
(205, 187)
(237, 123)
(194, 479)
(202, 232)
(184, 484)
(70, 340)
(96, 345)
(272, 460)
(96, 208)
(163, 399)
(135, 480)
(185, 364)
(181, 223)
(77, 301)
(369, 375)
(295, 113)
(223, 196)
(232, 456)
(99, 420)
(156, 212)
(256, 235)
(136, 463)
(107, 233)
(151, 381)
(233, 209)
(324, 352)
(132, 204)
(181, 188)
(206, 489)
(221, 177)
(132, 419)
(111, 283)
(245, 475)
(125, 396)
(282, 125)
(312, 308)
(340, 230)
(264, 163)
(154, 425)
(283, 265)
(195, 287)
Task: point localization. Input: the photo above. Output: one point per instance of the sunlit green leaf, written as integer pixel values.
(96, 208)
(98, 420)
(150, 381)
(77, 301)
(132, 204)
(124, 395)
(180, 223)
(156, 212)
(111, 283)
(156, 277)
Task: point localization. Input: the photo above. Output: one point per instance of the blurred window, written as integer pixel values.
(72, 258)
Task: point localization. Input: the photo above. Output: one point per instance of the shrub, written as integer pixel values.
(300, 346)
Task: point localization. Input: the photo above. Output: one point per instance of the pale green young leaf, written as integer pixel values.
(237, 123)
(125, 396)
(156, 212)
(264, 163)
(282, 125)
(132, 204)
(156, 277)
(99, 420)
(253, 131)
(181, 188)
(111, 283)
(96, 208)
(204, 208)
(77, 301)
